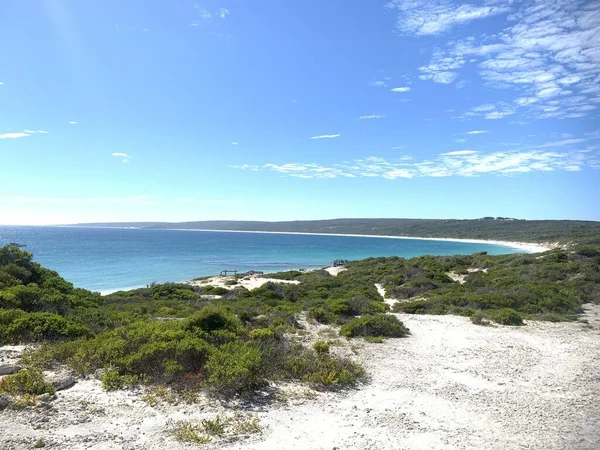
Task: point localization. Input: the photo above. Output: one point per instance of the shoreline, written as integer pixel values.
(530, 247)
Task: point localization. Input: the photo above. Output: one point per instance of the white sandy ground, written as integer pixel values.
(249, 282)
(450, 385)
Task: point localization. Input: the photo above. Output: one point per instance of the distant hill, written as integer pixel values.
(499, 228)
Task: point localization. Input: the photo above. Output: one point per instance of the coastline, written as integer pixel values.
(530, 247)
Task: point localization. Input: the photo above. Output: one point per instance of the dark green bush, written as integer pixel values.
(39, 326)
(27, 381)
(384, 325)
(235, 368)
(321, 347)
(506, 316)
(212, 318)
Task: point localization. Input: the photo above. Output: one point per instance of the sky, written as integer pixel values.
(186, 110)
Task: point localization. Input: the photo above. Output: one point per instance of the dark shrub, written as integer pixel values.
(40, 326)
(234, 368)
(212, 318)
(379, 325)
(506, 316)
(27, 381)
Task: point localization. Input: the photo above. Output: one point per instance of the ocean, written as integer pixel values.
(110, 259)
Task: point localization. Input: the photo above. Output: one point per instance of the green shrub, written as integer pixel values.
(39, 326)
(234, 368)
(380, 325)
(321, 347)
(27, 381)
(478, 318)
(212, 318)
(506, 316)
(111, 380)
(321, 315)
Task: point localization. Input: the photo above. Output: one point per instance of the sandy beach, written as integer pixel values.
(530, 247)
(450, 385)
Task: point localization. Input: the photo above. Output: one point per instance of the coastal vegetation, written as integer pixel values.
(233, 341)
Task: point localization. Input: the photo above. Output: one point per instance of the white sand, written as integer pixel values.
(450, 385)
(249, 282)
(529, 247)
(335, 271)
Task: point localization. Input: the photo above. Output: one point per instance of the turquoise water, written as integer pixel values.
(108, 259)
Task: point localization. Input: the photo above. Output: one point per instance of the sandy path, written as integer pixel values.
(450, 385)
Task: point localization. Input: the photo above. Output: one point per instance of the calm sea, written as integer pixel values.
(109, 259)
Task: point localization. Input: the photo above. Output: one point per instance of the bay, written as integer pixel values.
(109, 259)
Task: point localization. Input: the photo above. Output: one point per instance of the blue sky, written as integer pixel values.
(280, 110)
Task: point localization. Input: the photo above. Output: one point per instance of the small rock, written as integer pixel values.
(46, 397)
(61, 381)
(4, 402)
(7, 369)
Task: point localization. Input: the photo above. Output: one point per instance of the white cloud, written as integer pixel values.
(459, 153)
(326, 136)
(460, 163)
(235, 143)
(223, 12)
(562, 143)
(16, 135)
(401, 89)
(378, 83)
(42, 131)
(1, 83)
(142, 199)
(250, 167)
(125, 157)
(73, 123)
(477, 132)
(438, 16)
(548, 51)
(372, 116)
(498, 114)
(397, 147)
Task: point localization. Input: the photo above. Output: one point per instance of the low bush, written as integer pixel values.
(478, 318)
(39, 326)
(321, 347)
(28, 381)
(506, 316)
(234, 368)
(384, 325)
(213, 318)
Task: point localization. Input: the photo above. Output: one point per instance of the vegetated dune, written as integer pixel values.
(450, 385)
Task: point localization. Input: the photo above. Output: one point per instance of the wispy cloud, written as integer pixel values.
(326, 136)
(125, 157)
(223, 13)
(372, 116)
(562, 143)
(235, 143)
(1, 83)
(35, 131)
(477, 132)
(73, 123)
(547, 53)
(250, 167)
(401, 89)
(438, 16)
(378, 83)
(15, 135)
(460, 163)
(141, 199)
